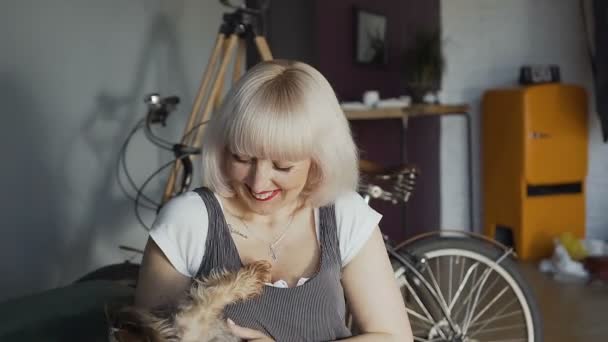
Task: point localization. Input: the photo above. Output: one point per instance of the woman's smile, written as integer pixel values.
(264, 196)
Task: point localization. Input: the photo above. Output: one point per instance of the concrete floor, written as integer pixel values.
(571, 312)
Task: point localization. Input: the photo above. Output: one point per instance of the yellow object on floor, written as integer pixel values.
(575, 247)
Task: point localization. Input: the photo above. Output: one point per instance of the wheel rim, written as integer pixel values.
(484, 301)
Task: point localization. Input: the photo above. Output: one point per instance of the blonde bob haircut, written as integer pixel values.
(283, 110)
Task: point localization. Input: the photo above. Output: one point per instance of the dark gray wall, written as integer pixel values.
(72, 78)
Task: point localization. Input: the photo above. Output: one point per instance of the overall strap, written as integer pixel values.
(220, 252)
(329, 234)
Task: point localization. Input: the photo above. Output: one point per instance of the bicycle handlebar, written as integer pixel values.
(400, 185)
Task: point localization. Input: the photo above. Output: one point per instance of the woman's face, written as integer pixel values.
(264, 185)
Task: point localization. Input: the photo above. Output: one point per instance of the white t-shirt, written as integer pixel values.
(180, 229)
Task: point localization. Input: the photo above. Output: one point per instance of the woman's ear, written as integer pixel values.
(314, 178)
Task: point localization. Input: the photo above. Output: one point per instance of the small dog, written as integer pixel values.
(200, 317)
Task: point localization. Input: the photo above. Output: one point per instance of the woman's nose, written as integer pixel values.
(259, 177)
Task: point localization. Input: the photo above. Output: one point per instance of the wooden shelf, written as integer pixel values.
(410, 111)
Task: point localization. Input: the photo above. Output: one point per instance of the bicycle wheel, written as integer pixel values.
(483, 300)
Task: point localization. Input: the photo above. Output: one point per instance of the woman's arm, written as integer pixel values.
(159, 284)
(373, 295)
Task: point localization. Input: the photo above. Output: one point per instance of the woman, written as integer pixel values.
(280, 171)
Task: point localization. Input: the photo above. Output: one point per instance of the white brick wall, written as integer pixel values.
(486, 41)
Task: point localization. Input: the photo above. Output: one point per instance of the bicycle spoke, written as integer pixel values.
(439, 279)
(483, 296)
(488, 270)
(496, 317)
(476, 285)
(461, 268)
(484, 278)
(429, 318)
(438, 289)
(466, 304)
(509, 327)
(481, 312)
(498, 313)
(419, 316)
(463, 282)
(489, 288)
(450, 282)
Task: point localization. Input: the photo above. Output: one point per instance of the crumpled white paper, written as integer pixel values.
(566, 269)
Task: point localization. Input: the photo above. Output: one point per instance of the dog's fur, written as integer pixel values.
(200, 317)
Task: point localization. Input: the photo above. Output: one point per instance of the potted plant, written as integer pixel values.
(424, 65)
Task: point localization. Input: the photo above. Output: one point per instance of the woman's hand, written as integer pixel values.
(248, 334)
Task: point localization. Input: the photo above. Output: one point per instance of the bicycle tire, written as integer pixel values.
(432, 249)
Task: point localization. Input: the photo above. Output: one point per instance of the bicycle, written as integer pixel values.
(440, 310)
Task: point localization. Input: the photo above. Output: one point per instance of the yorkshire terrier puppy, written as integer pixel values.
(200, 317)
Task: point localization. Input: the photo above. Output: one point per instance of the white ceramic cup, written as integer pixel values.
(371, 98)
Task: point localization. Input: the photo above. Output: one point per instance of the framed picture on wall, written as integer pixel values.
(370, 38)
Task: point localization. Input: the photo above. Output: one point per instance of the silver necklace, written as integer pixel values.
(272, 245)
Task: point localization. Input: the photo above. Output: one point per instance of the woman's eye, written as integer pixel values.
(240, 159)
(282, 168)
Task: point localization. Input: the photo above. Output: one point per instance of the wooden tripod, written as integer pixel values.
(236, 28)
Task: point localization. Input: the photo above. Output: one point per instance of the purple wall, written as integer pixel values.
(322, 33)
(385, 141)
(388, 143)
(335, 42)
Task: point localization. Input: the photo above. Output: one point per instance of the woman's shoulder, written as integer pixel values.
(182, 209)
(180, 231)
(352, 210)
(349, 199)
(355, 221)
